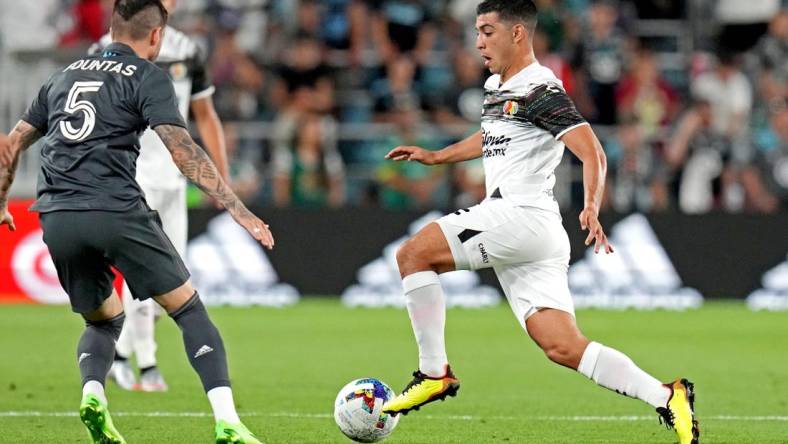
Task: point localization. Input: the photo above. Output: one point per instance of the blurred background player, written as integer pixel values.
(527, 120)
(94, 215)
(165, 191)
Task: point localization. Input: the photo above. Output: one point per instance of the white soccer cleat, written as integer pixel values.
(152, 381)
(123, 375)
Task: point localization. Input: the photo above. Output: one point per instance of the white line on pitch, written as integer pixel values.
(31, 414)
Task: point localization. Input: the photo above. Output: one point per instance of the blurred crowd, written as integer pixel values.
(690, 99)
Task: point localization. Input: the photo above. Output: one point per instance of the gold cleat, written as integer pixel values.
(423, 390)
(679, 414)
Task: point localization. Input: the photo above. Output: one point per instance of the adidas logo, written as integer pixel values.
(639, 275)
(82, 357)
(231, 268)
(203, 350)
(774, 294)
(379, 283)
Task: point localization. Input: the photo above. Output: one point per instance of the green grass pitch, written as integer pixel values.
(288, 364)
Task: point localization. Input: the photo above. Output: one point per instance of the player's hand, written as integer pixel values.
(590, 222)
(416, 153)
(256, 227)
(7, 219)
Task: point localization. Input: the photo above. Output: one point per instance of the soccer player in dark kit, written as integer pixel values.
(89, 116)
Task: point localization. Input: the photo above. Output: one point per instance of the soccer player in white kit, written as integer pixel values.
(165, 192)
(526, 122)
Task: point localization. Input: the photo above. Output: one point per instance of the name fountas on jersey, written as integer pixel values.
(523, 120)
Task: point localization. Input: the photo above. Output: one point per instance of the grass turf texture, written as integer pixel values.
(288, 364)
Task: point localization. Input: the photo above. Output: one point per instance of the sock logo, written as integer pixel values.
(203, 350)
(82, 357)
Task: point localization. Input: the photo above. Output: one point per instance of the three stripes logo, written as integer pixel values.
(203, 350)
(774, 294)
(639, 275)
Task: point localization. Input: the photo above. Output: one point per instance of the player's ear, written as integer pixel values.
(519, 33)
(155, 36)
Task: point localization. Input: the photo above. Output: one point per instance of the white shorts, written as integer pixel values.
(527, 247)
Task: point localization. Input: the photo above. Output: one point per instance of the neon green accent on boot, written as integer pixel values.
(227, 433)
(95, 416)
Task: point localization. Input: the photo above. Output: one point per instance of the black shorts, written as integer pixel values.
(84, 245)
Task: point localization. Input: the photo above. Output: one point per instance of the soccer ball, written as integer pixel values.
(358, 410)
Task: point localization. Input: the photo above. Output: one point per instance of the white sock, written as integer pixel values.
(221, 399)
(124, 344)
(140, 319)
(96, 389)
(427, 310)
(614, 370)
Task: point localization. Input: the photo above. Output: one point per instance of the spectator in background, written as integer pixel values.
(308, 170)
(397, 90)
(704, 154)
(306, 78)
(636, 184)
(406, 185)
(91, 20)
(551, 23)
(460, 103)
(402, 27)
(644, 95)
(558, 64)
(771, 54)
(729, 93)
(244, 166)
(743, 22)
(599, 60)
(766, 181)
(239, 82)
(469, 183)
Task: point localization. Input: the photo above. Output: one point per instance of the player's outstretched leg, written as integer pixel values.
(557, 334)
(206, 353)
(95, 352)
(420, 260)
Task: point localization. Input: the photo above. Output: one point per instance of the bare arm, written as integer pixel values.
(22, 136)
(195, 164)
(584, 144)
(467, 149)
(212, 133)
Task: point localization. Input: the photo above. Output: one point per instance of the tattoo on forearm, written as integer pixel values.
(195, 164)
(22, 136)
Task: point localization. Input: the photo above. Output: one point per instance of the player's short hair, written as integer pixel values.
(136, 18)
(512, 11)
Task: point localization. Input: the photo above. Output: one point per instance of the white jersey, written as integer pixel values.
(522, 122)
(182, 60)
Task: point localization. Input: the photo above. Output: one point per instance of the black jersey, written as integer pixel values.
(92, 113)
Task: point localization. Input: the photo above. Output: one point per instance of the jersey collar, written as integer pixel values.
(534, 65)
(118, 49)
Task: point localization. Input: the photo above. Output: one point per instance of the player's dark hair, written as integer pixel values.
(136, 18)
(513, 11)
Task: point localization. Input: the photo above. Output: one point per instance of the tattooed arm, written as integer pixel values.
(22, 136)
(195, 164)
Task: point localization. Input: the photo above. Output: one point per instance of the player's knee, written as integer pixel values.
(563, 353)
(111, 326)
(411, 258)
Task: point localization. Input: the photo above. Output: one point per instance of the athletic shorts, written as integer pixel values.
(85, 245)
(527, 247)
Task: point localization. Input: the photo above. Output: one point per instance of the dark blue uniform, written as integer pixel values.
(93, 212)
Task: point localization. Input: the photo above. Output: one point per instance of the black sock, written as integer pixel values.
(96, 348)
(203, 343)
